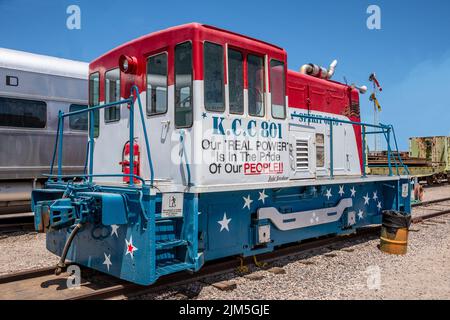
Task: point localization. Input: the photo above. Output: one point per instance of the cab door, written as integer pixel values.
(158, 99)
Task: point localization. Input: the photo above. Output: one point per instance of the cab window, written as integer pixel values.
(183, 85)
(277, 88)
(213, 77)
(236, 81)
(94, 89)
(255, 78)
(112, 94)
(157, 84)
(94, 99)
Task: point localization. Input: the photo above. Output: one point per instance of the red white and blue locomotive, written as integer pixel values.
(209, 147)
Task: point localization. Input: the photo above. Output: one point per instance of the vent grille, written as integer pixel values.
(301, 154)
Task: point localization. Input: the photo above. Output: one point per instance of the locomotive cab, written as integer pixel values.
(218, 112)
(199, 87)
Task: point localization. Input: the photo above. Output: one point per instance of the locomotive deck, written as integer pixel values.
(167, 186)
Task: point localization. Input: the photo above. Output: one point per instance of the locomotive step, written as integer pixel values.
(169, 268)
(159, 219)
(168, 244)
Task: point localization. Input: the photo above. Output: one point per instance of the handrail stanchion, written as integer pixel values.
(55, 148)
(131, 143)
(144, 128)
(388, 138)
(61, 138)
(380, 126)
(91, 144)
(405, 168)
(364, 151)
(331, 150)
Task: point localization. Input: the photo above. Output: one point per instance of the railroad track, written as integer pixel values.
(434, 208)
(96, 285)
(11, 224)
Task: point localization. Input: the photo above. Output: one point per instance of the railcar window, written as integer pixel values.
(277, 88)
(213, 77)
(112, 94)
(157, 84)
(255, 77)
(78, 121)
(183, 85)
(22, 113)
(320, 150)
(236, 81)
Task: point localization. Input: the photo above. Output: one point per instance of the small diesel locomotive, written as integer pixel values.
(208, 147)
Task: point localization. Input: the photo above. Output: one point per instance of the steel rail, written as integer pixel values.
(425, 203)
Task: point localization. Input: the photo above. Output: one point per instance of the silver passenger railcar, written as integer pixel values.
(33, 88)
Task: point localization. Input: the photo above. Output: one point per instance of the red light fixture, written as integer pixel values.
(128, 64)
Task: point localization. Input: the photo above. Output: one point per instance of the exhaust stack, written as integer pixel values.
(362, 89)
(318, 71)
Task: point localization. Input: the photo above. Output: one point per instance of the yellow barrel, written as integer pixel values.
(394, 241)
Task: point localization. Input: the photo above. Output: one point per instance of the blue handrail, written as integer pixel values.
(385, 129)
(147, 144)
(183, 155)
(60, 134)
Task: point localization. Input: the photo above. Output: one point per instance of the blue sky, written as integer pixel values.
(410, 54)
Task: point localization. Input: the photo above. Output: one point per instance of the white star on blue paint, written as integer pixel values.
(353, 191)
(375, 196)
(366, 199)
(341, 190)
(360, 214)
(248, 202)
(114, 228)
(262, 196)
(379, 205)
(328, 194)
(107, 260)
(224, 222)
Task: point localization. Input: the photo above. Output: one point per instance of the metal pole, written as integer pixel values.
(131, 104)
(364, 151)
(331, 151)
(389, 150)
(91, 144)
(60, 148)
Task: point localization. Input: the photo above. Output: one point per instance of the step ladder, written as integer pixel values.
(175, 245)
